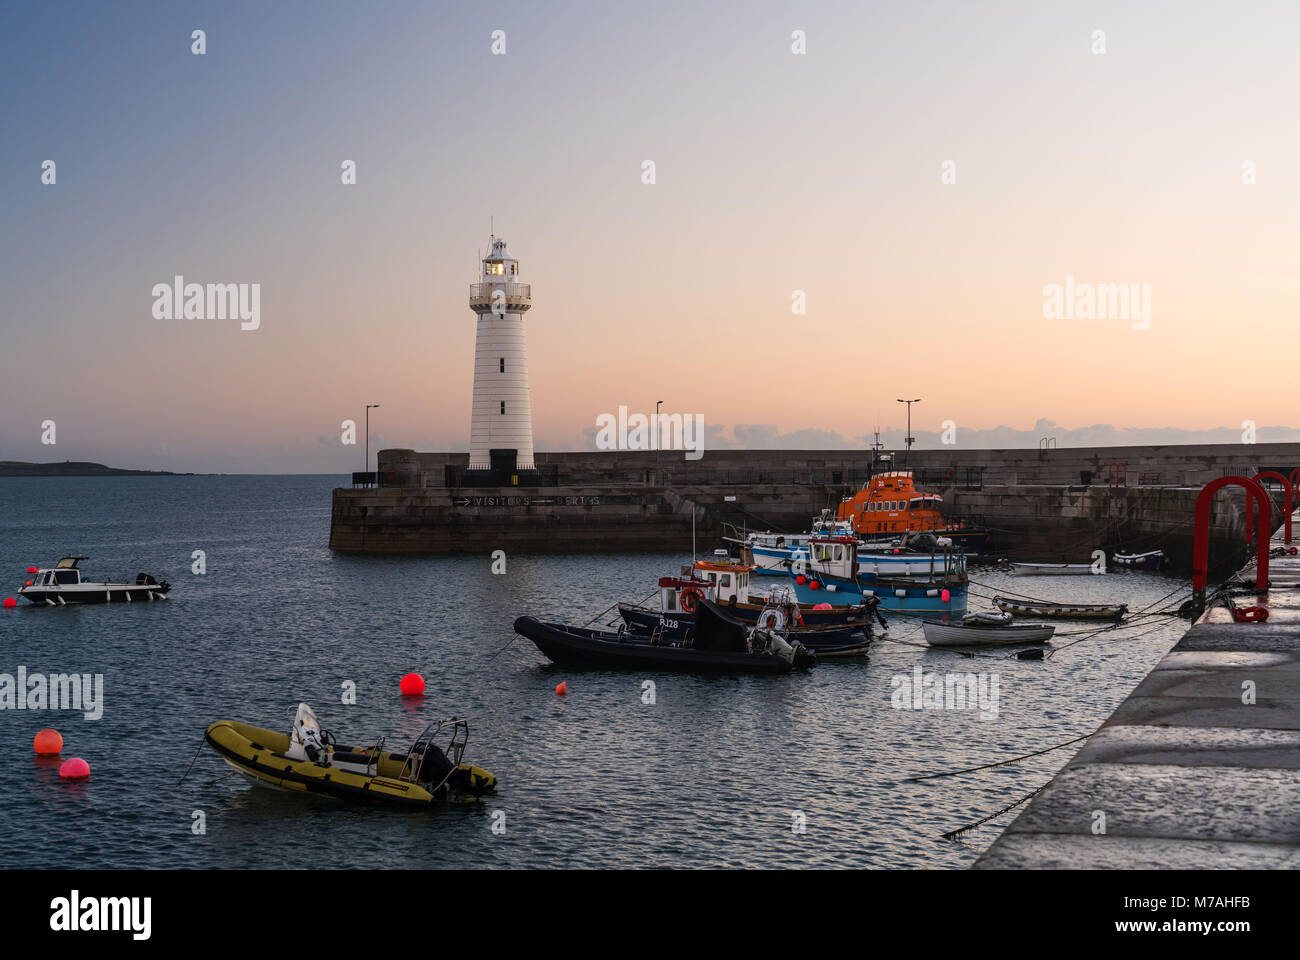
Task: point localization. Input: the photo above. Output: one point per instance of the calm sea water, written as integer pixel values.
(711, 774)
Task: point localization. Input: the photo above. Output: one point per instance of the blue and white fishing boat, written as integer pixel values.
(833, 574)
(907, 556)
(772, 553)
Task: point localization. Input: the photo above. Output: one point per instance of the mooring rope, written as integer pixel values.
(954, 834)
(1000, 763)
(616, 603)
(191, 766)
(503, 649)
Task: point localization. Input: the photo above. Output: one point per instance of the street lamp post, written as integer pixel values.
(909, 438)
(369, 407)
(658, 404)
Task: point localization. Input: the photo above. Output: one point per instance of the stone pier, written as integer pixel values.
(1200, 767)
(1049, 505)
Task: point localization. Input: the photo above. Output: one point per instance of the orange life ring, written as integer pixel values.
(690, 599)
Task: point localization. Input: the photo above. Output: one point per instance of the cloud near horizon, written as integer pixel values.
(767, 436)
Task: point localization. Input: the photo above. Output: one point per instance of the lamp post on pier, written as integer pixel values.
(369, 407)
(658, 404)
(909, 438)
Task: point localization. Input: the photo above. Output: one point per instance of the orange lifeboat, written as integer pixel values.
(889, 505)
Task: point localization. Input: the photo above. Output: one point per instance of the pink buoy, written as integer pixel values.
(945, 596)
(823, 606)
(412, 685)
(75, 769)
(47, 743)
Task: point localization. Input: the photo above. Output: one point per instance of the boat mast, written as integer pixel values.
(875, 448)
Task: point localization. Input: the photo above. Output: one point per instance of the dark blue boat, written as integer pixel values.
(718, 643)
(830, 630)
(848, 638)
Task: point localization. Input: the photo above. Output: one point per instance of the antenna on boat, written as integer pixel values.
(692, 536)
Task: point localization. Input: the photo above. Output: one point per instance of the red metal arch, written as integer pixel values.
(1256, 496)
(1288, 487)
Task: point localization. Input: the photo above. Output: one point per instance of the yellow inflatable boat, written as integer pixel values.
(308, 760)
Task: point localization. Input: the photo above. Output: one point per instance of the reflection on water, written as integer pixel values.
(714, 773)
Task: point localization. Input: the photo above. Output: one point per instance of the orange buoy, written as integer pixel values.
(47, 742)
(75, 769)
(412, 685)
(562, 689)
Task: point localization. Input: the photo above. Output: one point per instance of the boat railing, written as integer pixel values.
(455, 750)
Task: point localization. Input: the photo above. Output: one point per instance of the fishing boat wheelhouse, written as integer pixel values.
(889, 505)
(833, 574)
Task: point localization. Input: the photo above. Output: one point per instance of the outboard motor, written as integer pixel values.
(922, 543)
(430, 764)
(305, 739)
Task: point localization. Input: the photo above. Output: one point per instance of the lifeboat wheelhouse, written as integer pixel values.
(890, 505)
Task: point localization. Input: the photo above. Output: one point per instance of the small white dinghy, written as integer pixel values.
(1051, 569)
(985, 630)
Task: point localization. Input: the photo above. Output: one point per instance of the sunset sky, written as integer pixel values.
(775, 172)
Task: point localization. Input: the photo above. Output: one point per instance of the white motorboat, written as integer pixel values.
(1052, 569)
(985, 630)
(62, 584)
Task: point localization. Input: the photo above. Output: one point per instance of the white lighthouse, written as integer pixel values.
(502, 417)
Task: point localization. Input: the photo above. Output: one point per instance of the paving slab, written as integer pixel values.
(1174, 801)
(1193, 746)
(1038, 851)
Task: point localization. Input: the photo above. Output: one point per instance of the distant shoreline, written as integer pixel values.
(70, 468)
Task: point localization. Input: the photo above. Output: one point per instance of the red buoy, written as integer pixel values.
(10, 602)
(75, 769)
(562, 689)
(47, 742)
(32, 570)
(801, 579)
(412, 685)
(945, 596)
(814, 585)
